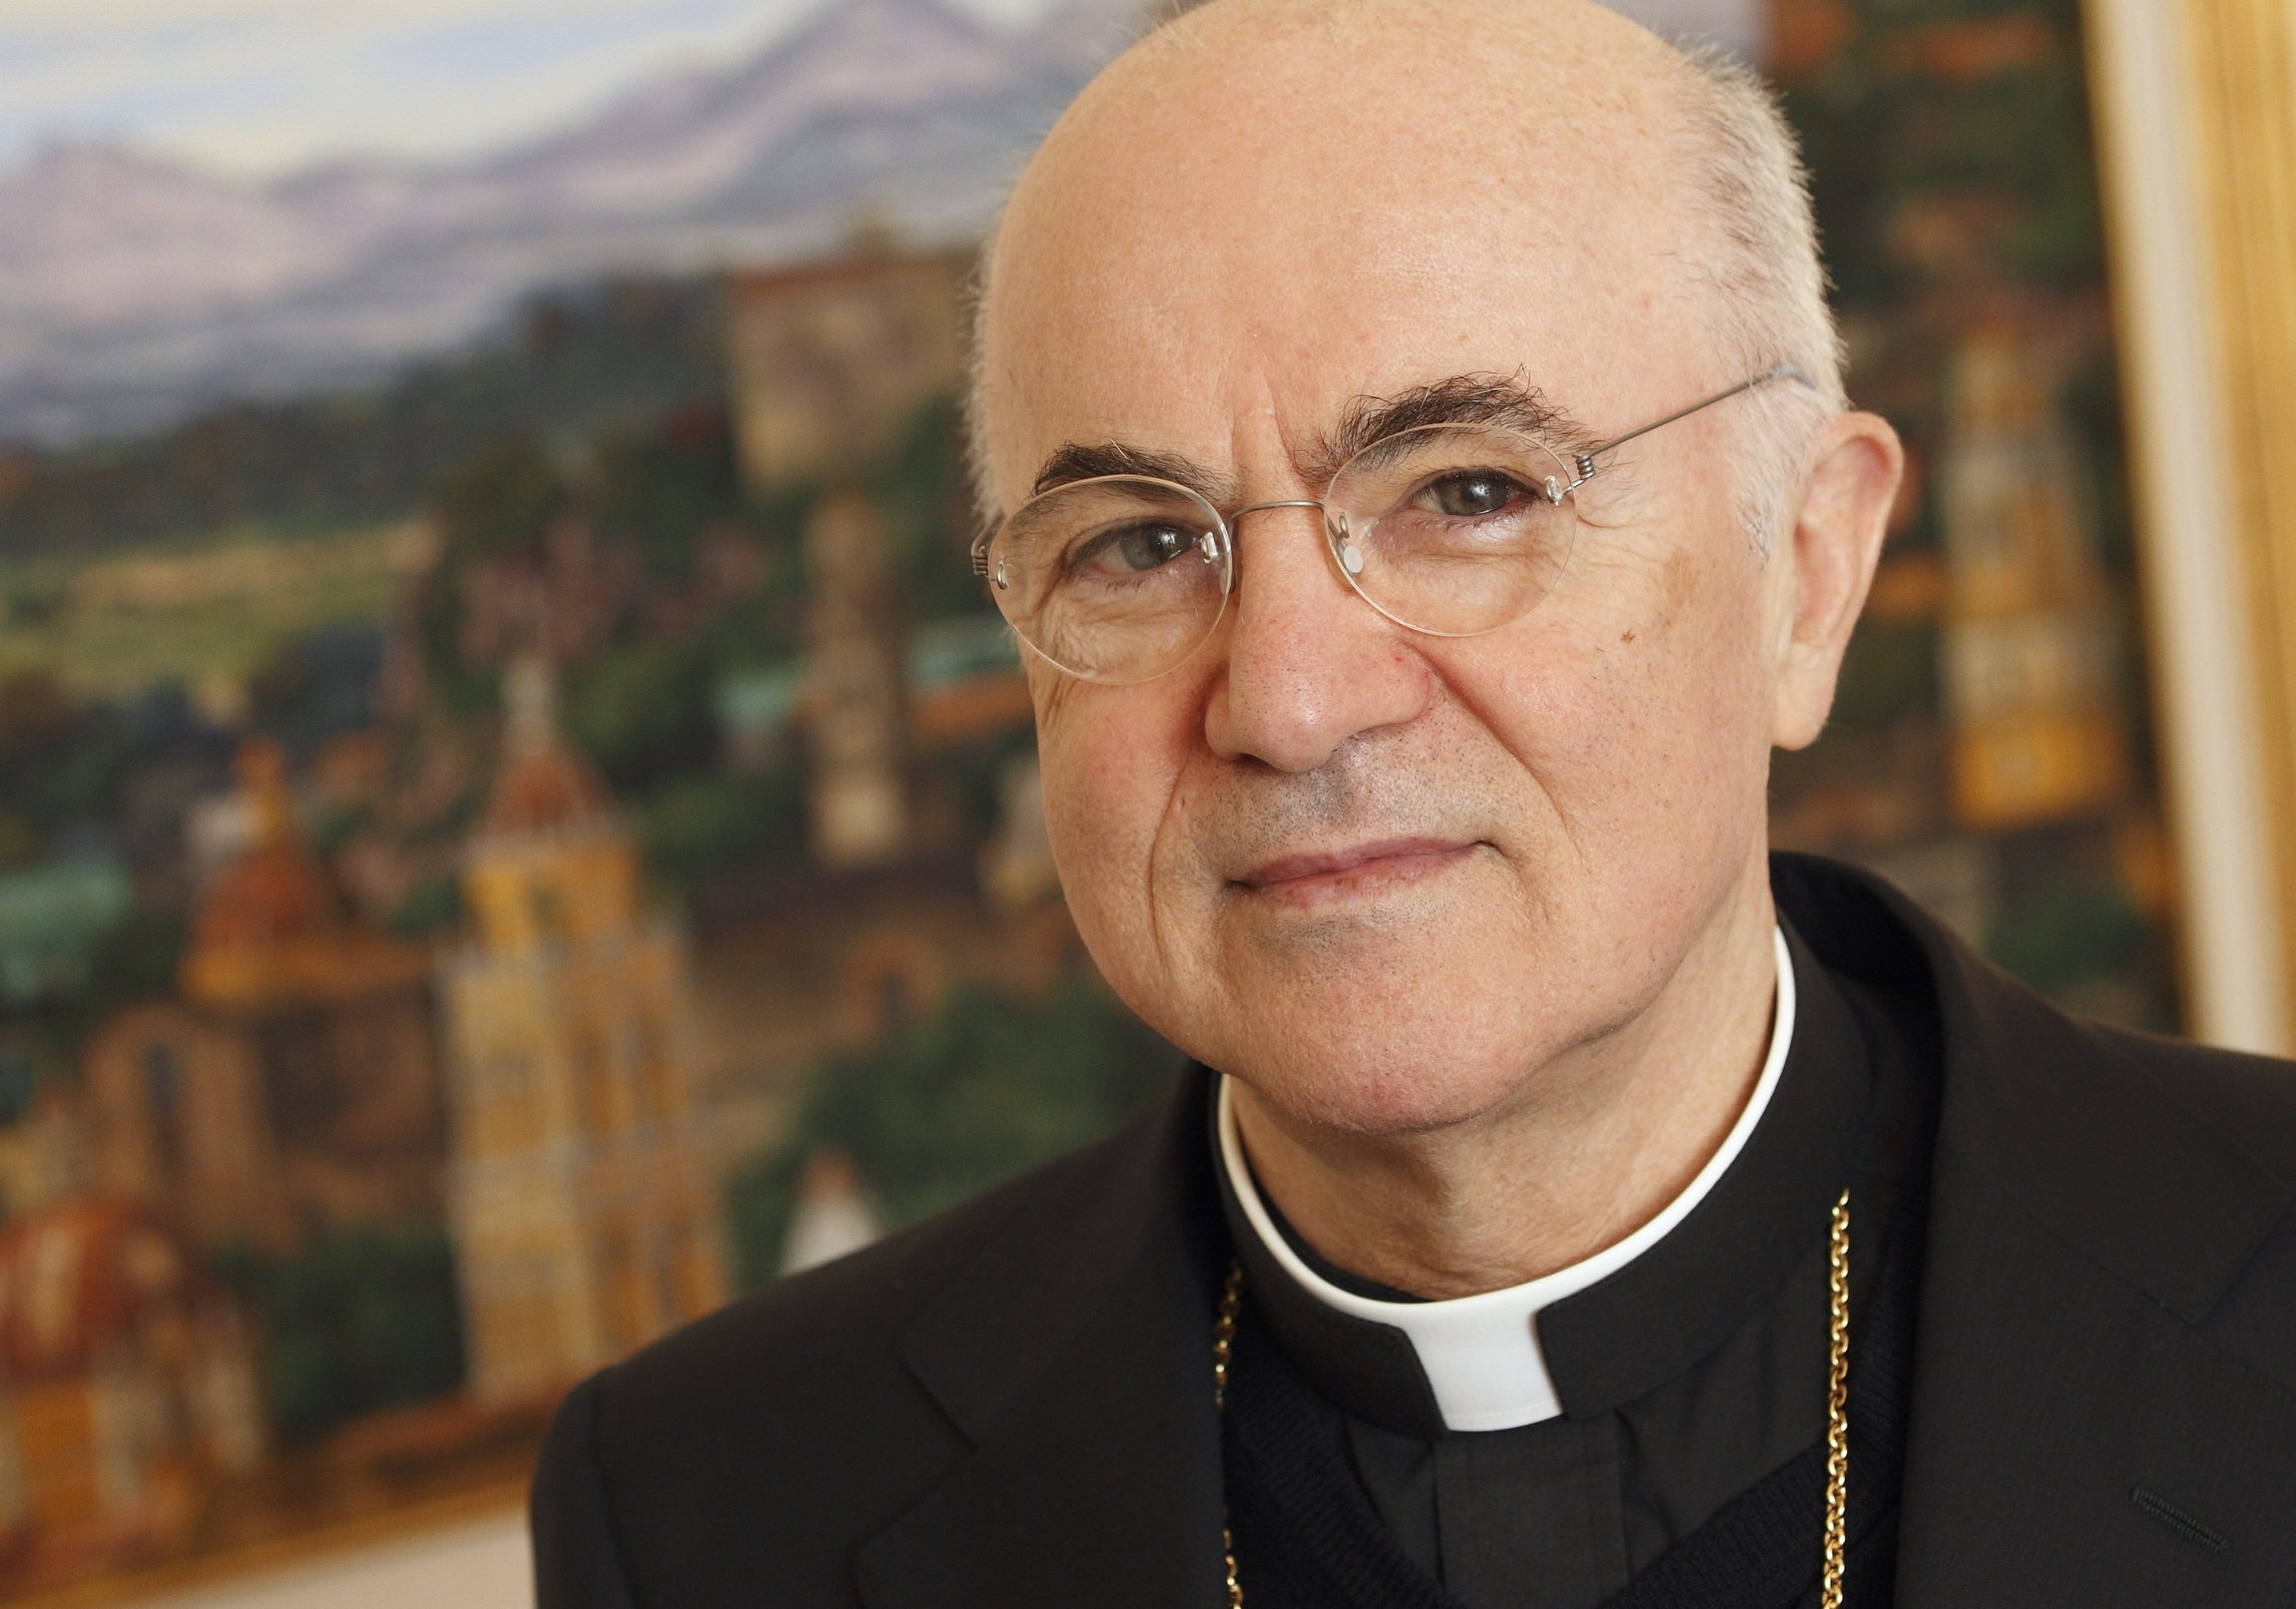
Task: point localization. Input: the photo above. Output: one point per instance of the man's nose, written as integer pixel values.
(1305, 663)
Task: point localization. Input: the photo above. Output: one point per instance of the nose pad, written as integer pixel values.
(1216, 547)
(1343, 543)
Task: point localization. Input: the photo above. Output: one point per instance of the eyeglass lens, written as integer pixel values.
(1447, 529)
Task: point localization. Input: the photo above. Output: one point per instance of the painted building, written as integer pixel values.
(832, 360)
(583, 1206)
(292, 1083)
(126, 1380)
(2032, 637)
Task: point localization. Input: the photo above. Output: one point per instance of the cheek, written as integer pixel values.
(1642, 712)
(1714, 685)
(1111, 758)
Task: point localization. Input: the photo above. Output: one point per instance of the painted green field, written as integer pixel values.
(204, 614)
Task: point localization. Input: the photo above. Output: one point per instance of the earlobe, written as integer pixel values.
(1856, 465)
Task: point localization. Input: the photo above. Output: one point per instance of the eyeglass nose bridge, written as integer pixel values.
(1287, 502)
(1351, 558)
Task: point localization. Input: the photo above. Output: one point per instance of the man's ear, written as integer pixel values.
(1855, 465)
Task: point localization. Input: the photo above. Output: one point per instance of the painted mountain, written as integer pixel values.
(134, 289)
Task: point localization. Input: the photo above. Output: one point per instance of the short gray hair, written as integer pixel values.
(1767, 283)
(1767, 280)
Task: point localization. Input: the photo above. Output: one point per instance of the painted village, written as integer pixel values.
(598, 866)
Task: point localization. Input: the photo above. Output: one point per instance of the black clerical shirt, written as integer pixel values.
(1690, 1379)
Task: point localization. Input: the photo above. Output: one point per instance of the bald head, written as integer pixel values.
(1352, 155)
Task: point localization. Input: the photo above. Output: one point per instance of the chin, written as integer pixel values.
(1368, 1022)
(1408, 1069)
(1372, 1101)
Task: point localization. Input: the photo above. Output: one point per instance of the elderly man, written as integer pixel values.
(1419, 471)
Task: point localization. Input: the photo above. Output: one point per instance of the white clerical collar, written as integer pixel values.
(1480, 1353)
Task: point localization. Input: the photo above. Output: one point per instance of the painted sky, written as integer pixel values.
(256, 88)
(262, 87)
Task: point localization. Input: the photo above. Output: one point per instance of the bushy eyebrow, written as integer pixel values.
(1504, 401)
(1090, 460)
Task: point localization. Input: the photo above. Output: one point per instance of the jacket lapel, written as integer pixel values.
(2076, 1435)
(1077, 1357)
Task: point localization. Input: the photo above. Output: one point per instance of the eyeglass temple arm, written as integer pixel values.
(1583, 463)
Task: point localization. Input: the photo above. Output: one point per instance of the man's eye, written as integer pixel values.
(1134, 547)
(1472, 493)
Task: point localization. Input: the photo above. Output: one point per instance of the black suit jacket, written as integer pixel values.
(1009, 1407)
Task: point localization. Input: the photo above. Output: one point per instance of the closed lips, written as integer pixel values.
(1392, 854)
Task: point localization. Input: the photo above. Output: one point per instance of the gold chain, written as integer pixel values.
(1836, 1404)
(1224, 1343)
(1223, 1333)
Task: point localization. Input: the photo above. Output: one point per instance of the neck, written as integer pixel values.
(1594, 1141)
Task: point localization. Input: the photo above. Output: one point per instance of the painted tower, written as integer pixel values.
(583, 1208)
(859, 724)
(831, 362)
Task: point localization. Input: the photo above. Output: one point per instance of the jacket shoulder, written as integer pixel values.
(2169, 1163)
(1867, 930)
(795, 1402)
(2249, 1103)
(2248, 1099)
(833, 1330)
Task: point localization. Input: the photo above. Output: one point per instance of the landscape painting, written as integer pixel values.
(517, 823)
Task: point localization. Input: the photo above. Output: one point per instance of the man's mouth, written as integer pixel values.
(1361, 866)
